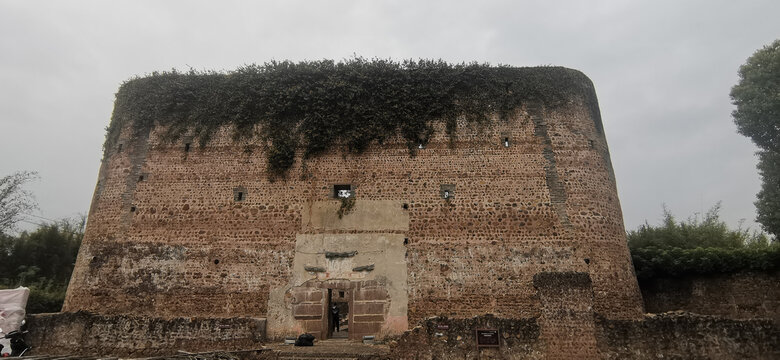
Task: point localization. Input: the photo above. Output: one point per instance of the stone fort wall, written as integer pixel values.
(744, 295)
(169, 237)
(85, 334)
(655, 336)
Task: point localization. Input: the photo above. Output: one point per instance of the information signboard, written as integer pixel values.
(487, 338)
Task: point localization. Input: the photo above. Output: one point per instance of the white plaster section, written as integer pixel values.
(384, 250)
(366, 215)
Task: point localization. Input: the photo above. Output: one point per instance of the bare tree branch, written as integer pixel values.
(14, 200)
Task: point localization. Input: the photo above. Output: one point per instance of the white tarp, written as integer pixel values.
(12, 305)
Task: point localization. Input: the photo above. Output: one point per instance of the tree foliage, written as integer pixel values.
(315, 105)
(674, 262)
(757, 97)
(41, 260)
(699, 246)
(14, 199)
(768, 198)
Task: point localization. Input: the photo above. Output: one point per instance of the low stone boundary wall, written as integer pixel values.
(681, 335)
(677, 335)
(83, 333)
(746, 295)
(443, 338)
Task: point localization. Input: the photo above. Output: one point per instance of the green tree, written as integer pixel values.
(43, 261)
(697, 245)
(768, 203)
(757, 97)
(709, 231)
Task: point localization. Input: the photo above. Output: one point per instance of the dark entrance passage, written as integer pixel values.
(338, 314)
(361, 307)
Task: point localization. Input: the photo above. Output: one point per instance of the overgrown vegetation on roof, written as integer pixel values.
(316, 105)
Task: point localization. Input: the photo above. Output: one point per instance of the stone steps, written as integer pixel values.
(333, 349)
(316, 357)
(326, 355)
(64, 357)
(325, 350)
(211, 355)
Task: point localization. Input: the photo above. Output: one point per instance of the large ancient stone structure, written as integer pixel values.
(518, 218)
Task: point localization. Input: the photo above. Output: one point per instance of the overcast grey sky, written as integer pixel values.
(662, 70)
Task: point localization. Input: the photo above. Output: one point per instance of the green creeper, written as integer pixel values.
(311, 107)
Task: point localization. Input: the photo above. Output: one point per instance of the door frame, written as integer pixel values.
(327, 293)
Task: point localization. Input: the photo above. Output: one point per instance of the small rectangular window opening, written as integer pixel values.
(239, 194)
(187, 147)
(341, 294)
(506, 142)
(447, 191)
(141, 178)
(120, 148)
(342, 191)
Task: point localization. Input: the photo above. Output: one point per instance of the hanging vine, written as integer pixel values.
(313, 106)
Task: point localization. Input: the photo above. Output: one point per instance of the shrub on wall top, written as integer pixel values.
(699, 247)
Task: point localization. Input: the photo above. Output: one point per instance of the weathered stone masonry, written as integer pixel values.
(745, 295)
(84, 334)
(168, 236)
